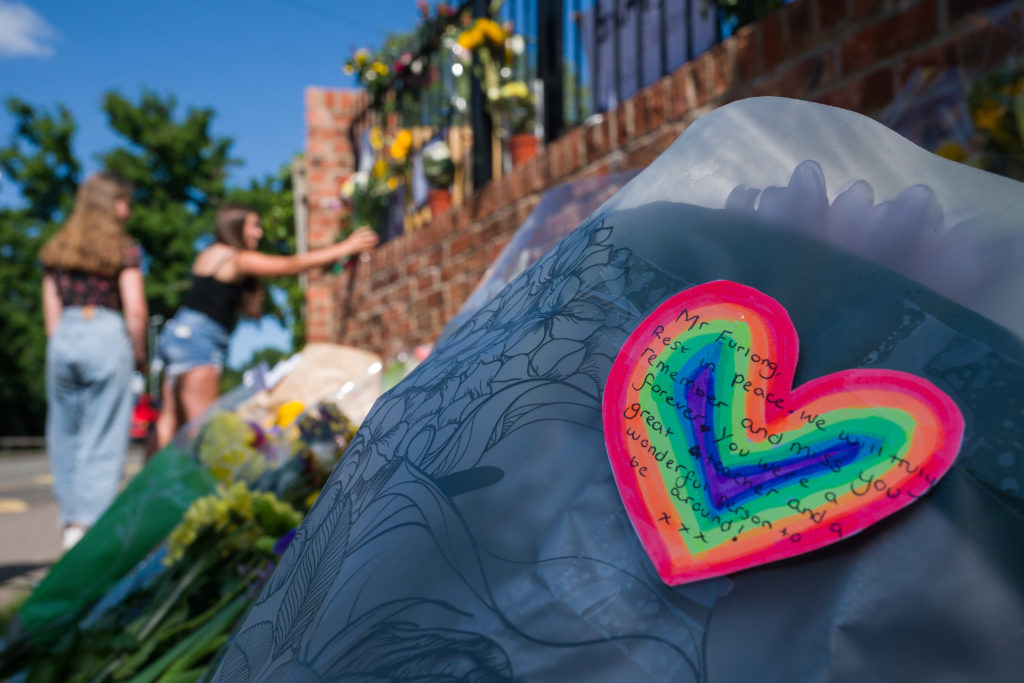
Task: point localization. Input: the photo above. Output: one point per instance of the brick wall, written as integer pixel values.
(329, 159)
(854, 54)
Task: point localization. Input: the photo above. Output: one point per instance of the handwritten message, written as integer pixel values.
(722, 465)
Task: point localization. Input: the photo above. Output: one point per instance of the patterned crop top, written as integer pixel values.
(78, 288)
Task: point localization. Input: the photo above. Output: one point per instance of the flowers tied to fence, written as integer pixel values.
(438, 166)
(495, 47)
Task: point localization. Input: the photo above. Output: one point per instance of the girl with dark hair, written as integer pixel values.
(91, 276)
(193, 344)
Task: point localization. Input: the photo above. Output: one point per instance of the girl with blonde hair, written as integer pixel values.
(95, 312)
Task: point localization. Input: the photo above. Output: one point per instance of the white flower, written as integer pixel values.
(437, 151)
(516, 43)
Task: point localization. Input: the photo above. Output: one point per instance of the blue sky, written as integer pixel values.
(250, 61)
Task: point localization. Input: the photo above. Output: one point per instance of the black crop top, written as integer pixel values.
(215, 299)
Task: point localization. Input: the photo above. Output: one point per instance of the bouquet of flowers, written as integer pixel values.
(438, 166)
(373, 74)
(171, 615)
(368, 194)
(495, 47)
(516, 107)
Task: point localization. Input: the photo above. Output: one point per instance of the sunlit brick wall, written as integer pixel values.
(854, 54)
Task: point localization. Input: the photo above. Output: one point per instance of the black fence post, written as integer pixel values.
(480, 119)
(551, 64)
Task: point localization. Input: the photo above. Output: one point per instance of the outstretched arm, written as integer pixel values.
(266, 265)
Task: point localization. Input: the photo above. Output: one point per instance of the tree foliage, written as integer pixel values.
(40, 162)
(179, 169)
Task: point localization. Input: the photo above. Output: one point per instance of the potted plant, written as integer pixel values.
(509, 102)
(439, 170)
(518, 112)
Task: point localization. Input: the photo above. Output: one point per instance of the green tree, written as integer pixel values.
(179, 170)
(39, 160)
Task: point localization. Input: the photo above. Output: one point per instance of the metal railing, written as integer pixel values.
(582, 58)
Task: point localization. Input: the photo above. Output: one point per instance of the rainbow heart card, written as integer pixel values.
(723, 465)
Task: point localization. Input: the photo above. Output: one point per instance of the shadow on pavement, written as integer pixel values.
(10, 571)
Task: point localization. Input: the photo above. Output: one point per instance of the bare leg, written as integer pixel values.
(199, 388)
(169, 421)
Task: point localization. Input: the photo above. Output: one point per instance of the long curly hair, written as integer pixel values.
(93, 238)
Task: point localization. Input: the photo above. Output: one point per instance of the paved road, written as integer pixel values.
(29, 533)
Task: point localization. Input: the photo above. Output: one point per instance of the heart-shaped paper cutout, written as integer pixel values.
(723, 466)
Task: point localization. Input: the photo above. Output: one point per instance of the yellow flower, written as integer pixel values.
(491, 30)
(376, 138)
(516, 89)
(989, 115)
(362, 56)
(392, 183)
(380, 168)
(287, 413)
(952, 150)
(400, 147)
(380, 67)
(1013, 89)
(349, 69)
(238, 498)
(471, 38)
(310, 499)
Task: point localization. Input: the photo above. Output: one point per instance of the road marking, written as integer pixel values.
(12, 506)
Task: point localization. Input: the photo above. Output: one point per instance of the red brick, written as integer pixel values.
(619, 130)
(941, 56)
(461, 244)
(773, 42)
(682, 91)
(860, 9)
(831, 15)
(723, 68)
(703, 68)
(641, 117)
(889, 36)
(986, 44)
(958, 9)
(434, 300)
(865, 95)
(656, 105)
(748, 61)
(799, 18)
(574, 146)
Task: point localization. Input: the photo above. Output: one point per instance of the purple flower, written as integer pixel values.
(283, 542)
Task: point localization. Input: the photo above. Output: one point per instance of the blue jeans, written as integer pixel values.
(89, 410)
(191, 340)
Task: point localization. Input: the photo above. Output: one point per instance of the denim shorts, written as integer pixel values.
(190, 340)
